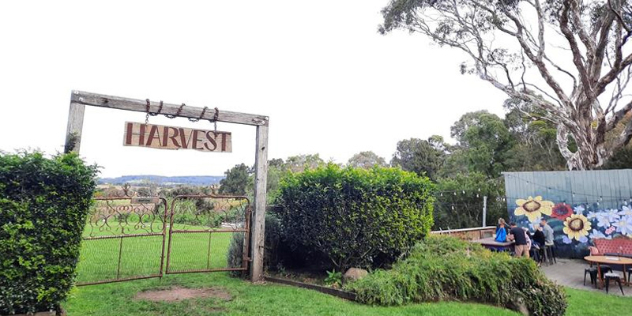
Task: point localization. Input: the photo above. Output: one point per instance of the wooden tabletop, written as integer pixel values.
(608, 259)
(491, 242)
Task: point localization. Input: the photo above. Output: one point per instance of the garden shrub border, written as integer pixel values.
(350, 217)
(43, 207)
(445, 268)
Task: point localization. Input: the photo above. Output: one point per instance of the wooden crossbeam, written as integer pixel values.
(136, 105)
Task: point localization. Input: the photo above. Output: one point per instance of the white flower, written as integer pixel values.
(534, 222)
(592, 215)
(607, 217)
(583, 239)
(566, 240)
(596, 234)
(602, 220)
(579, 209)
(625, 211)
(624, 225)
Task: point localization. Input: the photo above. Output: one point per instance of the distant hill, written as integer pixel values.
(162, 180)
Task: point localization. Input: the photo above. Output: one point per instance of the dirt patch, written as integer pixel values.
(176, 294)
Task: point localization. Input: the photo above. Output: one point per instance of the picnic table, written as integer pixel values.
(492, 244)
(599, 260)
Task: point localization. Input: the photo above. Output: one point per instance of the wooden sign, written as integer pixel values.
(168, 137)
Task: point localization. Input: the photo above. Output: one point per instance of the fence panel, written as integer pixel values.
(124, 239)
(200, 232)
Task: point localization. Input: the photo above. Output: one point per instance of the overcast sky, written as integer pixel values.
(328, 81)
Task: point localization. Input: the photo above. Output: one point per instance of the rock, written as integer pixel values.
(354, 274)
(519, 306)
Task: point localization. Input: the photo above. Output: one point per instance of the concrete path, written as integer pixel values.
(570, 273)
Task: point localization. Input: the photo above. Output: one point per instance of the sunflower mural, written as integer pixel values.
(562, 211)
(579, 206)
(576, 226)
(533, 207)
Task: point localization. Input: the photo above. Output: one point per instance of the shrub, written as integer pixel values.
(236, 248)
(43, 208)
(445, 268)
(354, 217)
(234, 256)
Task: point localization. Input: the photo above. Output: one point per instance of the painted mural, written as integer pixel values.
(577, 212)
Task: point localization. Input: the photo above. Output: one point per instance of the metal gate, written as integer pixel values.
(124, 239)
(201, 231)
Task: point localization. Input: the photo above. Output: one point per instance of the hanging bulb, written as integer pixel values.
(476, 194)
(454, 193)
(441, 193)
(463, 191)
(453, 207)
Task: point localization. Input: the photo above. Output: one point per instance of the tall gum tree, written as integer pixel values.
(569, 58)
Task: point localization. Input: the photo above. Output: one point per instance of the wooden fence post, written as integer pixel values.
(75, 125)
(258, 227)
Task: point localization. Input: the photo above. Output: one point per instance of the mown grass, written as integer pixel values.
(141, 256)
(117, 299)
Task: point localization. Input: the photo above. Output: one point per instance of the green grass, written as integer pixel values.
(117, 299)
(585, 303)
(139, 254)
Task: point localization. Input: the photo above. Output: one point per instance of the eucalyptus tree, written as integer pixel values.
(569, 58)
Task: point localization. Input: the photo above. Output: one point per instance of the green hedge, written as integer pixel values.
(354, 217)
(445, 268)
(43, 207)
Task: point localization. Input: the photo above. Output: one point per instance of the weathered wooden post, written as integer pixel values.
(258, 228)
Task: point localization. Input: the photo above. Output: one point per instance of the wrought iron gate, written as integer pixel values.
(200, 222)
(126, 238)
(117, 231)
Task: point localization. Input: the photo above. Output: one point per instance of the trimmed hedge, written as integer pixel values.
(354, 217)
(43, 208)
(446, 268)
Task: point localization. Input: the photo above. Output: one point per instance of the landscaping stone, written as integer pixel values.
(354, 274)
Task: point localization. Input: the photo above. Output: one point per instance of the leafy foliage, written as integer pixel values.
(43, 208)
(236, 180)
(366, 159)
(459, 203)
(354, 217)
(445, 268)
(488, 141)
(303, 162)
(622, 159)
(334, 278)
(423, 157)
(234, 256)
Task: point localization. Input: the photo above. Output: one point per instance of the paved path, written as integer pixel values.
(570, 273)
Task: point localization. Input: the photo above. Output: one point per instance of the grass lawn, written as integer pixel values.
(117, 299)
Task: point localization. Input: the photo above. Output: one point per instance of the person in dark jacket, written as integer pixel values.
(538, 235)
